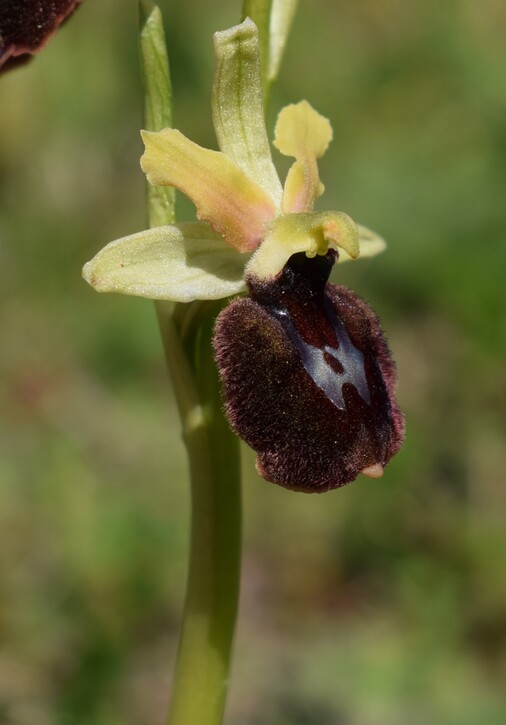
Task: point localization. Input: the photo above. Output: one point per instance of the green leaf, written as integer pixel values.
(157, 101)
(238, 112)
(181, 262)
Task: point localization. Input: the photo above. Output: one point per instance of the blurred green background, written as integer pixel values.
(380, 604)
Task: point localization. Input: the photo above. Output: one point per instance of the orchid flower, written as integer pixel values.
(307, 376)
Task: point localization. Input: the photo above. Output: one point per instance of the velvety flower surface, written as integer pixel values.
(27, 25)
(307, 376)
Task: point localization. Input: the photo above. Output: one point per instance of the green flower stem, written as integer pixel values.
(201, 672)
(202, 667)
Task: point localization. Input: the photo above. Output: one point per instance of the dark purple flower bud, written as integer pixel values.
(308, 379)
(27, 25)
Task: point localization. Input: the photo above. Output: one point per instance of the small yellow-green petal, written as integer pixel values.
(312, 233)
(370, 244)
(180, 262)
(223, 194)
(238, 111)
(302, 187)
(303, 133)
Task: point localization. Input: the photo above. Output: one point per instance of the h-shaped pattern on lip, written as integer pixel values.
(351, 369)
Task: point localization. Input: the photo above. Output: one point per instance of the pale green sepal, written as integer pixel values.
(223, 194)
(312, 233)
(181, 262)
(157, 101)
(238, 112)
(370, 243)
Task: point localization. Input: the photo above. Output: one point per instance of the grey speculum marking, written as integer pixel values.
(329, 380)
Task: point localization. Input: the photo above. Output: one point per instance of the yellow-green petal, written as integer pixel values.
(223, 194)
(370, 244)
(180, 262)
(238, 111)
(312, 233)
(303, 133)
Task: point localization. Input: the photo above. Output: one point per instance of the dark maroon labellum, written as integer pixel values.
(27, 25)
(308, 378)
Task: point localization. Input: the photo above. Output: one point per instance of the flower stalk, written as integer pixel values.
(201, 673)
(200, 677)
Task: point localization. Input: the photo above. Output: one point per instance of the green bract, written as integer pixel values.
(247, 220)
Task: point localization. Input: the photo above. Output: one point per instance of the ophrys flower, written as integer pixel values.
(306, 373)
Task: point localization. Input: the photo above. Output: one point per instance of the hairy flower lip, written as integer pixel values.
(308, 379)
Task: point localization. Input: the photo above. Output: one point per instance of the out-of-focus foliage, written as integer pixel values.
(380, 604)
